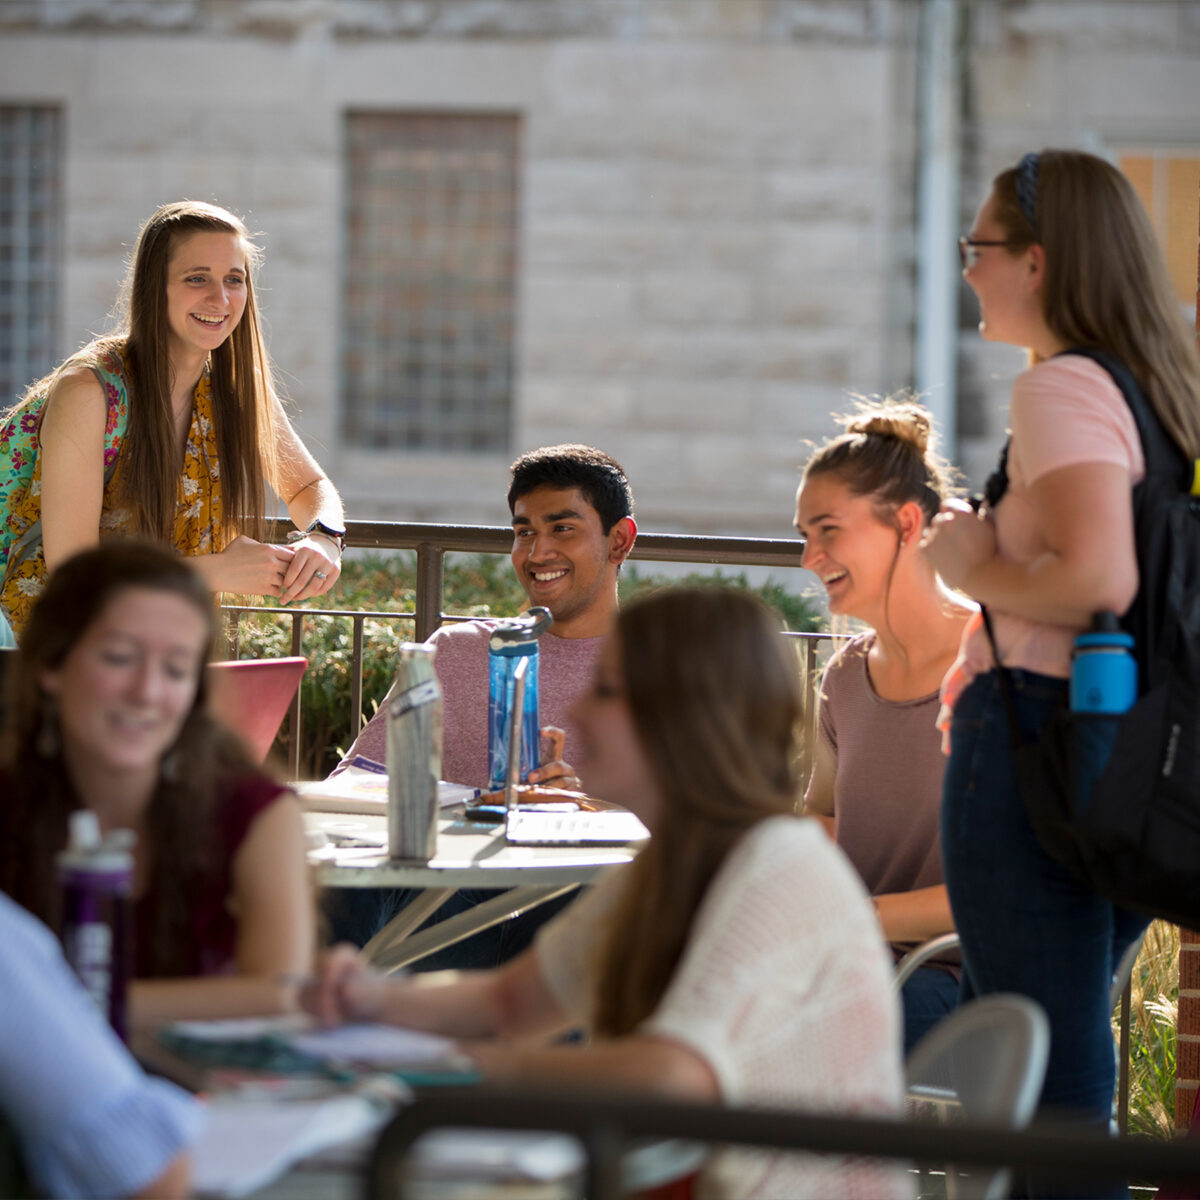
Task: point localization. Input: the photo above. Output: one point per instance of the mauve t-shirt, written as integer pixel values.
(461, 662)
(887, 791)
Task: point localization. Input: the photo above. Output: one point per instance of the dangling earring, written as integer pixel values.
(47, 743)
(169, 768)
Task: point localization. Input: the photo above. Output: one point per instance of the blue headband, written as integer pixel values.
(1027, 188)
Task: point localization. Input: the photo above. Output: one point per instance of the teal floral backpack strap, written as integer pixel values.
(19, 448)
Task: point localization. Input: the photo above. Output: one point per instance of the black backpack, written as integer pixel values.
(1117, 798)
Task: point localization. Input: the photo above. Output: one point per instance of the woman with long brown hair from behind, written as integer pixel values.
(737, 958)
(109, 713)
(168, 429)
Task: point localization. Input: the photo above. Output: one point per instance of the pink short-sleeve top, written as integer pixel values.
(1065, 411)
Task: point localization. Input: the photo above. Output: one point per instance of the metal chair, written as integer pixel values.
(985, 1061)
(918, 956)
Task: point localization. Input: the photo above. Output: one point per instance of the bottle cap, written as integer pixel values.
(83, 831)
(415, 650)
(523, 629)
(1114, 637)
(87, 850)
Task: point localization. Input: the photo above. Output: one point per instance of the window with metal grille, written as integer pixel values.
(1168, 181)
(430, 280)
(30, 244)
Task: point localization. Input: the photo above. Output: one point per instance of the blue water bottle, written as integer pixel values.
(96, 877)
(510, 642)
(1103, 669)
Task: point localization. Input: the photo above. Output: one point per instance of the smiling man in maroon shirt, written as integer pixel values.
(573, 527)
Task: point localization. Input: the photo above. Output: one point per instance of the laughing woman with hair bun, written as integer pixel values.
(864, 503)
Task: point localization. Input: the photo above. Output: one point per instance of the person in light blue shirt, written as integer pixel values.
(87, 1121)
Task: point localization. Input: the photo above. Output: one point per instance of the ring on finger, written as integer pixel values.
(320, 574)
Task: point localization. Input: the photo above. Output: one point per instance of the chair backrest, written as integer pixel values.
(986, 1059)
(252, 695)
(1123, 971)
(918, 956)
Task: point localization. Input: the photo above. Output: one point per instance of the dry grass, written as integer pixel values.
(1153, 1010)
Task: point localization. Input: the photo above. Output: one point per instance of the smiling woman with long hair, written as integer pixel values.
(108, 712)
(737, 958)
(168, 429)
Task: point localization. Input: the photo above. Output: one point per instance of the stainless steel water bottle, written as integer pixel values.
(96, 877)
(414, 755)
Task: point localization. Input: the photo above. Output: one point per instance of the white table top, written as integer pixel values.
(469, 854)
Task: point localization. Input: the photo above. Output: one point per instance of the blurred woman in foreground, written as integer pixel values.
(702, 971)
(108, 713)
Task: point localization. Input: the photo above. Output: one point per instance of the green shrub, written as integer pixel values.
(481, 585)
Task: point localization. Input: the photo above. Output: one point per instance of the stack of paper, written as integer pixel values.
(363, 788)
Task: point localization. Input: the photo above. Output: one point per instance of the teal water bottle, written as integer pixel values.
(510, 642)
(1103, 669)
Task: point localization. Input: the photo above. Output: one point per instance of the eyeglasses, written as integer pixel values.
(968, 249)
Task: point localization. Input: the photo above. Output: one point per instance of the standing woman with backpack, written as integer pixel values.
(1060, 256)
(168, 430)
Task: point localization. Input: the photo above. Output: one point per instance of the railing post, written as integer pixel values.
(356, 674)
(293, 754)
(430, 572)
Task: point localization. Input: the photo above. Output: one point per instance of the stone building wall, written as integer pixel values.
(717, 241)
(714, 206)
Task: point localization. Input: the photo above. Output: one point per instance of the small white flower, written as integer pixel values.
(29, 587)
(190, 486)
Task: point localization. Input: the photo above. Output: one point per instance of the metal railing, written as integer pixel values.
(605, 1125)
(431, 544)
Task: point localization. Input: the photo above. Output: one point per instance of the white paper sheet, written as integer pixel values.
(248, 1143)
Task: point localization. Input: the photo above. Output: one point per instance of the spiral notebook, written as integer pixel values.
(532, 827)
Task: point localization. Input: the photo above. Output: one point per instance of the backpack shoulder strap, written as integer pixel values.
(1161, 453)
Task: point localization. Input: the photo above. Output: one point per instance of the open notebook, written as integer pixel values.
(534, 827)
(252, 695)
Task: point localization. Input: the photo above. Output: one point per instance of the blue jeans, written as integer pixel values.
(927, 996)
(1027, 924)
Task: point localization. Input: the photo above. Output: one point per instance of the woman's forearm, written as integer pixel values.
(1052, 590)
(152, 1002)
(641, 1063)
(916, 915)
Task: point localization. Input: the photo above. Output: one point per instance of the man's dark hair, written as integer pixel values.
(600, 478)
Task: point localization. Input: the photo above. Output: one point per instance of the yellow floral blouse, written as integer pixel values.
(198, 506)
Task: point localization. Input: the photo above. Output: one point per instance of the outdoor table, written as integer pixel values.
(469, 855)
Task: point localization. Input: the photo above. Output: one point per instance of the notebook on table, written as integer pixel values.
(252, 695)
(532, 827)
